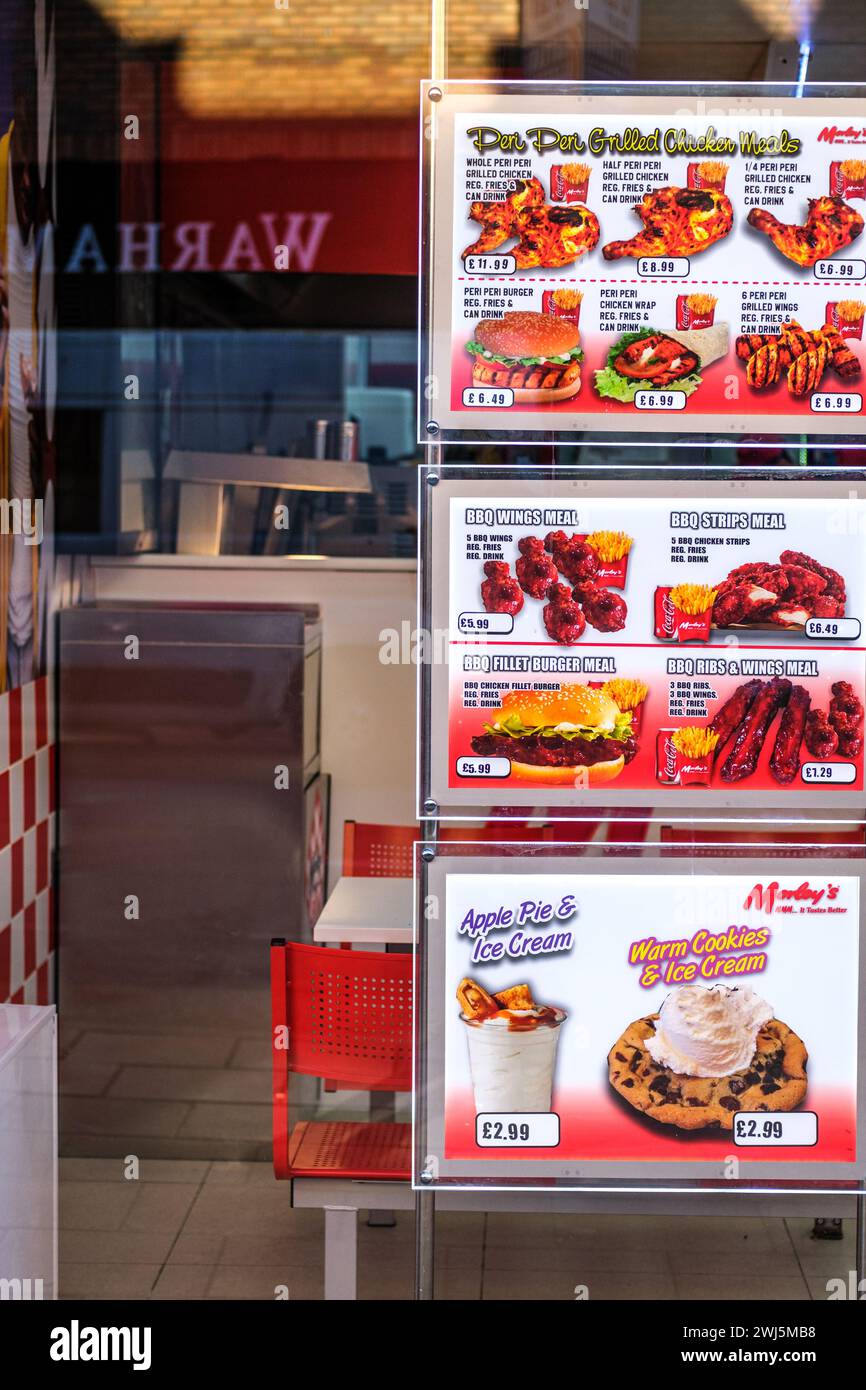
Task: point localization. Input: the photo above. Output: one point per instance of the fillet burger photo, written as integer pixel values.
(549, 735)
(536, 355)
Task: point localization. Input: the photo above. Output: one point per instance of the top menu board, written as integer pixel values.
(638, 263)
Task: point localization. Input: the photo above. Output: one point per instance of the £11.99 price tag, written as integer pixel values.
(531, 1131)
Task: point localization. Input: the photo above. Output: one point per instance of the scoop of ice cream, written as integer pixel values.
(711, 1031)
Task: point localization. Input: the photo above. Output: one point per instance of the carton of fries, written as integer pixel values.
(707, 173)
(683, 612)
(628, 695)
(562, 304)
(846, 316)
(684, 756)
(696, 310)
(569, 183)
(612, 549)
(848, 178)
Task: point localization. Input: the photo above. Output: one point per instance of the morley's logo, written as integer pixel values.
(837, 135)
(77, 1343)
(765, 896)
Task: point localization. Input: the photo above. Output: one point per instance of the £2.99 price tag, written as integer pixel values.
(799, 1129)
(532, 1131)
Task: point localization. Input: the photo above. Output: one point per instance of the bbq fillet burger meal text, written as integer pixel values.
(536, 355)
(549, 735)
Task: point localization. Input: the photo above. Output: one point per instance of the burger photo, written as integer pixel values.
(536, 355)
(565, 737)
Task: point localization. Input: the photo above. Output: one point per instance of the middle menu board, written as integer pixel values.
(669, 644)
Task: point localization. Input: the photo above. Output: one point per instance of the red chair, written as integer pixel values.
(346, 1015)
(378, 851)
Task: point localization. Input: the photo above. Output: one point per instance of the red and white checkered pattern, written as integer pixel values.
(28, 804)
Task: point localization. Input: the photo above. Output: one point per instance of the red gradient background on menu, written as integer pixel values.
(596, 1126)
(723, 389)
(640, 773)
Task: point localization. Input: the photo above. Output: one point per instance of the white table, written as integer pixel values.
(368, 912)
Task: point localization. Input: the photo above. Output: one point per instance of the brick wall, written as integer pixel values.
(252, 58)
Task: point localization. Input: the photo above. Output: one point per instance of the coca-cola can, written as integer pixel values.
(665, 615)
(667, 762)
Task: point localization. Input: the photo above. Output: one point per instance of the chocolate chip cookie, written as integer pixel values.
(775, 1079)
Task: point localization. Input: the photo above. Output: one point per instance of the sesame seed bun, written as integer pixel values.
(527, 334)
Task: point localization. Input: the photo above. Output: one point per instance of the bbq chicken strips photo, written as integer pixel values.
(677, 222)
(830, 226)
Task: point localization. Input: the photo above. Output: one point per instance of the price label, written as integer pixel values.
(828, 774)
(488, 395)
(660, 400)
(828, 629)
(669, 266)
(836, 403)
(796, 1130)
(483, 767)
(489, 265)
(839, 270)
(533, 1131)
(485, 623)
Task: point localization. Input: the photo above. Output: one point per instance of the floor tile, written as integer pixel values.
(195, 1049)
(114, 1247)
(224, 1121)
(259, 1282)
(80, 1115)
(744, 1285)
(160, 1206)
(252, 1052)
(821, 1287)
(150, 1170)
(95, 1206)
(193, 1084)
(183, 1282)
(558, 1285)
(98, 1281)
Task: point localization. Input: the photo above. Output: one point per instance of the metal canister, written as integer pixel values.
(348, 440)
(317, 432)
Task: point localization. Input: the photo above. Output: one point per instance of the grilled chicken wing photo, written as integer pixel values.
(554, 236)
(830, 225)
(498, 219)
(677, 222)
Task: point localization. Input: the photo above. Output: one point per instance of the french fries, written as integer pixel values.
(850, 310)
(567, 299)
(693, 741)
(701, 303)
(713, 170)
(626, 694)
(693, 598)
(609, 545)
(575, 174)
(854, 169)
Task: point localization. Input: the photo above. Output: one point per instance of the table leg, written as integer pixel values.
(341, 1253)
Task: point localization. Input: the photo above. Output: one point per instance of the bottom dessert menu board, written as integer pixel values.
(699, 1021)
(670, 644)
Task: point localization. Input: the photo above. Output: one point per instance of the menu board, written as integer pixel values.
(667, 645)
(581, 1022)
(646, 263)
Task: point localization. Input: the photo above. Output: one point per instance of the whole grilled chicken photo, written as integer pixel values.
(830, 225)
(677, 222)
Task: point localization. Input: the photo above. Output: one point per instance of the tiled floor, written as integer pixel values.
(224, 1230)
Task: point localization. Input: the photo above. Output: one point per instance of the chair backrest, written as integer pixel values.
(378, 851)
(345, 1015)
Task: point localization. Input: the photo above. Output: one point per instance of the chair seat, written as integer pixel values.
(345, 1149)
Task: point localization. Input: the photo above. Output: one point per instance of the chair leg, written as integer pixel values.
(341, 1253)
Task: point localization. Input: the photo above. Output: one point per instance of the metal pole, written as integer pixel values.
(860, 1242)
(425, 1245)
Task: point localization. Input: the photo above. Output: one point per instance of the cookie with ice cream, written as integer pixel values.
(710, 1052)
